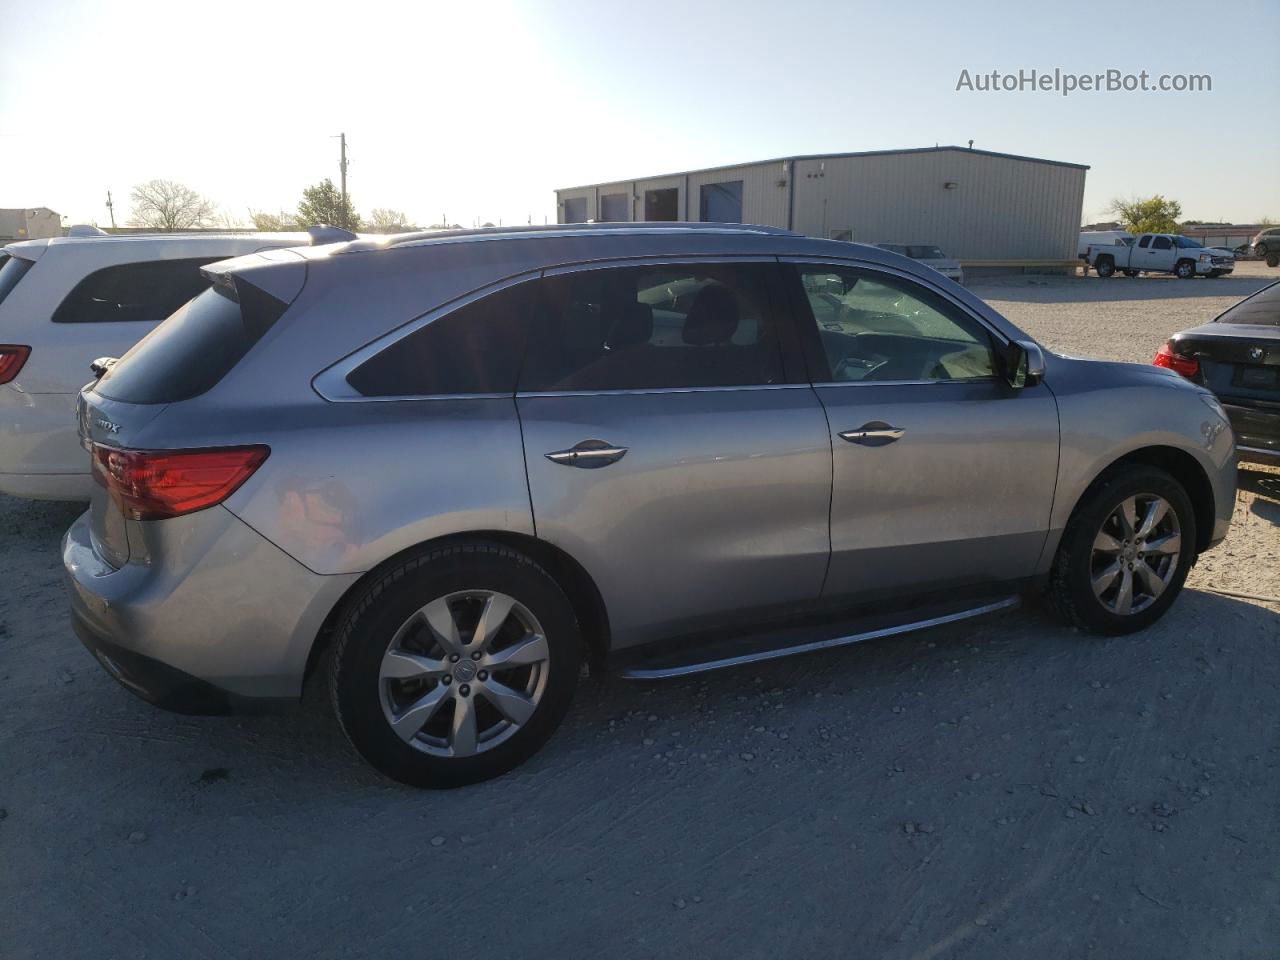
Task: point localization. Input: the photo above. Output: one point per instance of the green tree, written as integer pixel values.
(1148, 214)
(386, 220)
(323, 204)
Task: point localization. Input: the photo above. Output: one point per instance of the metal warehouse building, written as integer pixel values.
(985, 209)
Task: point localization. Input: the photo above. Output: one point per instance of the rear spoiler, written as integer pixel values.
(279, 273)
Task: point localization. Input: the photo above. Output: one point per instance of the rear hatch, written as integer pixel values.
(182, 358)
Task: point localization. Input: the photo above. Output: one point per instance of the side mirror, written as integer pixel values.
(1024, 364)
(101, 366)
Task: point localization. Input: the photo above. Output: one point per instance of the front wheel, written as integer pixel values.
(1185, 270)
(1125, 553)
(455, 666)
(1273, 259)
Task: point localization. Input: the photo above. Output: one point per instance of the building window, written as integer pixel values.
(721, 202)
(662, 204)
(575, 210)
(615, 207)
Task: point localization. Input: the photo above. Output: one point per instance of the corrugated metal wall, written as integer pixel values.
(1000, 208)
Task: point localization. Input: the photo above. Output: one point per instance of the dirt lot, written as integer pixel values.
(1007, 788)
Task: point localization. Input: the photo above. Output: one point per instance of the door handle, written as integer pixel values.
(588, 454)
(874, 434)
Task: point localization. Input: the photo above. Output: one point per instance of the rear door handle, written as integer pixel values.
(588, 454)
(874, 434)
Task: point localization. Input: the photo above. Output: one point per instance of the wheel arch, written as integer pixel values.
(1183, 467)
(572, 577)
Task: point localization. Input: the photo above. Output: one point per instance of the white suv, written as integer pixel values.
(66, 301)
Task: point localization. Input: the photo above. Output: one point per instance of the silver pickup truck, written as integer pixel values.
(1161, 253)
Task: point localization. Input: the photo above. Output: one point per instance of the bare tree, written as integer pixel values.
(386, 220)
(273, 222)
(166, 205)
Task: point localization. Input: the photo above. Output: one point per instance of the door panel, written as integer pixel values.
(718, 507)
(963, 497)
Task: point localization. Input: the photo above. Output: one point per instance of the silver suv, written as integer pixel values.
(446, 469)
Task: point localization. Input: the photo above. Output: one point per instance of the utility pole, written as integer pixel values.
(342, 138)
(111, 210)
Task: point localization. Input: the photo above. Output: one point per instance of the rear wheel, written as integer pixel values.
(455, 666)
(1105, 267)
(1185, 270)
(1125, 553)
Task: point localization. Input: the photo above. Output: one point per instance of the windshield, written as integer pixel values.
(1186, 242)
(12, 269)
(925, 252)
(1262, 308)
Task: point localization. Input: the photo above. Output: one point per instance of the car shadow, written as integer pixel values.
(1266, 488)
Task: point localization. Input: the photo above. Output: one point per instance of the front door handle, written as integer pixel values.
(588, 454)
(874, 434)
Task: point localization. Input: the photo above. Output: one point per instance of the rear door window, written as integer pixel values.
(195, 348)
(144, 292)
(654, 327)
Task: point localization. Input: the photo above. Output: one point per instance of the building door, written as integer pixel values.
(662, 204)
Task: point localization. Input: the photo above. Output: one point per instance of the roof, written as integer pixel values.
(431, 237)
(834, 156)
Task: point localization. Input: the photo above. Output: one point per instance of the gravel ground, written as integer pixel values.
(997, 789)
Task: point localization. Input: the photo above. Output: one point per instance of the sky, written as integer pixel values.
(476, 111)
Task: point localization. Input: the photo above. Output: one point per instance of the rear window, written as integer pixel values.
(144, 292)
(1262, 308)
(194, 348)
(12, 269)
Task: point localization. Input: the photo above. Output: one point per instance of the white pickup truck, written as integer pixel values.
(1161, 253)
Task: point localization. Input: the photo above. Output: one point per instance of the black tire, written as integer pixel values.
(1070, 591)
(1105, 266)
(1184, 270)
(1273, 259)
(1131, 273)
(366, 631)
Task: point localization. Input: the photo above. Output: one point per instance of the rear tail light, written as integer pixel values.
(12, 357)
(1177, 362)
(158, 484)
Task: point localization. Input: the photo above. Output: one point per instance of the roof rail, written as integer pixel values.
(591, 226)
(323, 233)
(86, 230)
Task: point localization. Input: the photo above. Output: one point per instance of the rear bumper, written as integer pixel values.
(40, 453)
(165, 686)
(215, 615)
(47, 486)
(1257, 432)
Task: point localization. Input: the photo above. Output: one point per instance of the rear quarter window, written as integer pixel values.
(145, 292)
(12, 269)
(194, 348)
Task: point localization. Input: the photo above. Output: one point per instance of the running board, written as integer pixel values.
(656, 672)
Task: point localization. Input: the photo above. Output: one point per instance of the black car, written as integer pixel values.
(1237, 356)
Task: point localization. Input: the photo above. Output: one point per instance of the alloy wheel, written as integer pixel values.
(464, 673)
(1135, 554)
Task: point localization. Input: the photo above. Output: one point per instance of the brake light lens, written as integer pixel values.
(12, 357)
(159, 484)
(1166, 357)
